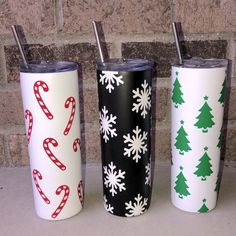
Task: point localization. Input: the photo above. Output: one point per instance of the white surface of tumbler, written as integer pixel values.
(198, 90)
(51, 107)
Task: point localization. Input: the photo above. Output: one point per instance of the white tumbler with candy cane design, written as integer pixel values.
(51, 107)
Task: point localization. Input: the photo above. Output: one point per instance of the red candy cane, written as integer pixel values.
(81, 192)
(63, 201)
(36, 174)
(75, 144)
(72, 115)
(50, 154)
(42, 84)
(29, 115)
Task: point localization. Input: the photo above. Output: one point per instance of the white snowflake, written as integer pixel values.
(110, 78)
(107, 206)
(143, 97)
(137, 207)
(113, 179)
(106, 124)
(136, 144)
(148, 172)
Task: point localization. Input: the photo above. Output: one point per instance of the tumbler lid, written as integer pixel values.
(120, 64)
(49, 67)
(198, 62)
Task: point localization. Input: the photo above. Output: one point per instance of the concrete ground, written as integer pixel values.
(17, 215)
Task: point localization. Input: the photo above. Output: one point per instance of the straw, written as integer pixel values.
(17, 38)
(177, 42)
(94, 23)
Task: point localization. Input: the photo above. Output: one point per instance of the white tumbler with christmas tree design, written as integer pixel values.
(51, 108)
(198, 91)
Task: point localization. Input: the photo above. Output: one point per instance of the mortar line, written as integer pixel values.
(61, 38)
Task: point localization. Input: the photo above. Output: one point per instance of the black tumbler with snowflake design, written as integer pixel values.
(124, 89)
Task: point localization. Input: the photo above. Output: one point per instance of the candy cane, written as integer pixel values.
(67, 104)
(35, 174)
(50, 154)
(75, 144)
(42, 84)
(29, 115)
(81, 195)
(63, 201)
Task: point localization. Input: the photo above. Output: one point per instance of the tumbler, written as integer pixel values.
(124, 89)
(198, 92)
(51, 109)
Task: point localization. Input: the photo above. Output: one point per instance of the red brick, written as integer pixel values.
(234, 61)
(18, 151)
(206, 16)
(2, 151)
(162, 144)
(162, 107)
(230, 145)
(35, 16)
(93, 146)
(90, 99)
(230, 109)
(85, 54)
(122, 16)
(163, 54)
(11, 107)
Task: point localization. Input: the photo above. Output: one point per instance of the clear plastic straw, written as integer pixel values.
(175, 33)
(18, 42)
(98, 40)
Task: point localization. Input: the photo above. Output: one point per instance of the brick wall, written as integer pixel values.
(57, 29)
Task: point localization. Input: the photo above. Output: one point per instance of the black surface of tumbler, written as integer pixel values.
(124, 89)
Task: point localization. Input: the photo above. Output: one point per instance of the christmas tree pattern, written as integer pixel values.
(181, 187)
(177, 93)
(181, 140)
(222, 93)
(203, 208)
(204, 167)
(205, 118)
(219, 145)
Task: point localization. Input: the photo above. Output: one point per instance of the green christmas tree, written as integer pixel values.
(177, 93)
(181, 187)
(181, 140)
(204, 167)
(222, 93)
(205, 120)
(203, 208)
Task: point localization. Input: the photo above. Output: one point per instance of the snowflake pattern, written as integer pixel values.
(136, 144)
(113, 179)
(143, 97)
(137, 207)
(110, 78)
(148, 173)
(106, 124)
(107, 206)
